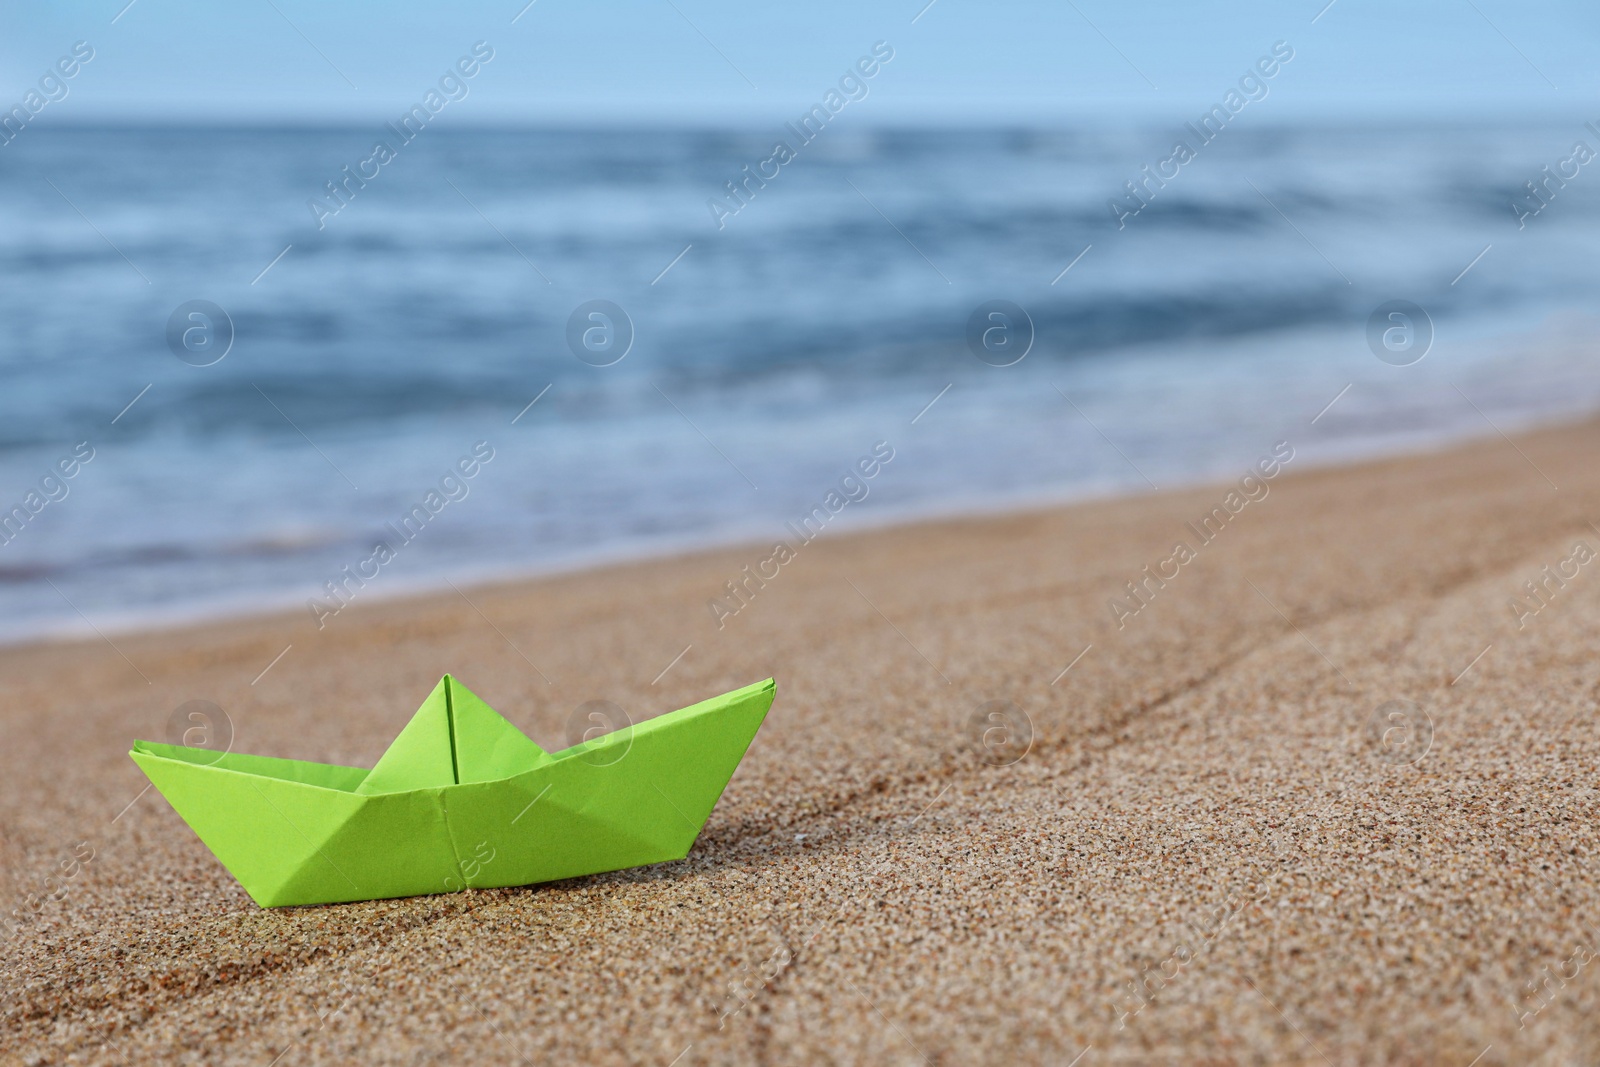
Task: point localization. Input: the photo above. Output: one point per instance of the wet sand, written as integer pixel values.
(1327, 797)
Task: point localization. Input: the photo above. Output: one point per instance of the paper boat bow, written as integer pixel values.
(461, 799)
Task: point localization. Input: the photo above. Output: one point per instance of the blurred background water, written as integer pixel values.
(768, 354)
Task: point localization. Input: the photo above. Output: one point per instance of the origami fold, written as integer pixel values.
(461, 799)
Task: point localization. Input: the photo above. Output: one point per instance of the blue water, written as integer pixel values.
(823, 317)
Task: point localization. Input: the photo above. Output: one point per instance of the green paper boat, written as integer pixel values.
(462, 799)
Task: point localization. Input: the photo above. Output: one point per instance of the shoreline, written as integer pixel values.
(258, 606)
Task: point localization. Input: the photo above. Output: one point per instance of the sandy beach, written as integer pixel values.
(1325, 797)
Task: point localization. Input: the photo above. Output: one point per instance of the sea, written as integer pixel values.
(277, 348)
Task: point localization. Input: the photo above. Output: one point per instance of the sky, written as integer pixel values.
(714, 61)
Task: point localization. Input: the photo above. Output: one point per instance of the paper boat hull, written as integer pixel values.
(300, 833)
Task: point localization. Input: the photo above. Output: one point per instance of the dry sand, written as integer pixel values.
(1203, 810)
